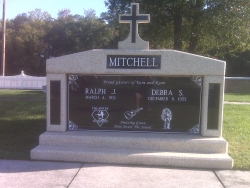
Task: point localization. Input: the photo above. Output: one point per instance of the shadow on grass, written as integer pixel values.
(21, 123)
(22, 93)
(19, 137)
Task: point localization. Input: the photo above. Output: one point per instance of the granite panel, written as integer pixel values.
(173, 63)
(63, 107)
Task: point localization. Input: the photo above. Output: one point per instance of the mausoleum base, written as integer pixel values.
(129, 148)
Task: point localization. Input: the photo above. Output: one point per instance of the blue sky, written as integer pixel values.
(15, 7)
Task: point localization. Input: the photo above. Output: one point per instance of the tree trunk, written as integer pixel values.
(177, 31)
(195, 31)
(193, 41)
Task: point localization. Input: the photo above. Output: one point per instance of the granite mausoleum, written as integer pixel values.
(133, 105)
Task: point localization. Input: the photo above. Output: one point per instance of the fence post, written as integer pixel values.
(22, 80)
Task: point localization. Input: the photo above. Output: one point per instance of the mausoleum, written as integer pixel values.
(135, 106)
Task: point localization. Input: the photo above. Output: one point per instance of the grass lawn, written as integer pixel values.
(236, 130)
(23, 119)
(4, 93)
(237, 97)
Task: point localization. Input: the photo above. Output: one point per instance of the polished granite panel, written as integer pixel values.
(135, 103)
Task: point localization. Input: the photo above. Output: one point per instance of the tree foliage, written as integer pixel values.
(34, 37)
(189, 25)
(78, 33)
(215, 28)
(25, 41)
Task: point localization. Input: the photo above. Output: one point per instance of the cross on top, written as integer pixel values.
(134, 18)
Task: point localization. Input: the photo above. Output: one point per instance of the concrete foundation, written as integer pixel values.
(156, 149)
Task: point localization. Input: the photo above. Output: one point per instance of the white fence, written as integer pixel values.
(22, 81)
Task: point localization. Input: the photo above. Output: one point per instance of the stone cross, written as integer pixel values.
(134, 18)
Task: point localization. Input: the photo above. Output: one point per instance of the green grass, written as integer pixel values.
(22, 120)
(236, 131)
(236, 97)
(4, 93)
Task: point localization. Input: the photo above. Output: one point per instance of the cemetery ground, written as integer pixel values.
(23, 119)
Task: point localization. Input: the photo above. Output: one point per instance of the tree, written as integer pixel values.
(189, 25)
(238, 64)
(226, 29)
(82, 33)
(64, 13)
(166, 26)
(25, 41)
(215, 28)
(34, 37)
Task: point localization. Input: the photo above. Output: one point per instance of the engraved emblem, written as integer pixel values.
(129, 114)
(195, 129)
(197, 80)
(166, 116)
(100, 116)
(72, 126)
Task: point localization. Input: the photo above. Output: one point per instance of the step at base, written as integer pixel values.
(132, 157)
(127, 140)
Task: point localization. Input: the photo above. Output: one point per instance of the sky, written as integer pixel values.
(15, 7)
